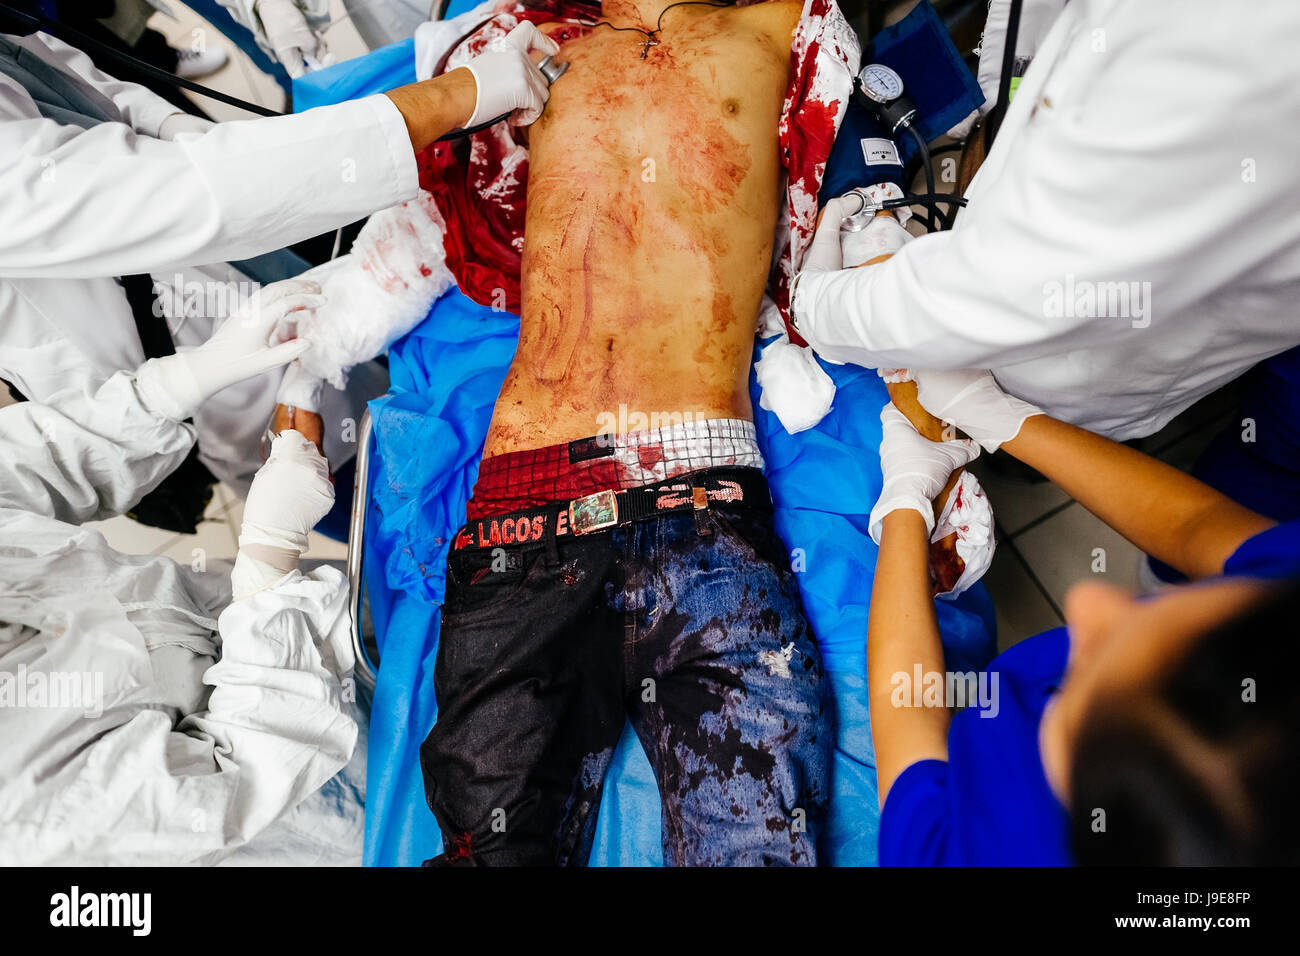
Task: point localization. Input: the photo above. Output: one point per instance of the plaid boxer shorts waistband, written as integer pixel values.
(539, 476)
(696, 492)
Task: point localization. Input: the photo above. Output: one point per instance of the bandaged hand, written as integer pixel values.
(290, 35)
(972, 400)
(915, 468)
(289, 495)
(507, 79)
(177, 385)
(377, 293)
(883, 236)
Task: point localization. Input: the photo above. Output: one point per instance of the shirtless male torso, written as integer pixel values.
(653, 193)
(620, 560)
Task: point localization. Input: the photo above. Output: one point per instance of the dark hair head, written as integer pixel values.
(1203, 768)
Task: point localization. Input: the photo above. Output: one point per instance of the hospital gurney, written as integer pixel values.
(419, 457)
(417, 461)
(365, 671)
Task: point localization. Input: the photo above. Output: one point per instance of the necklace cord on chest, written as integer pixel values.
(659, 23)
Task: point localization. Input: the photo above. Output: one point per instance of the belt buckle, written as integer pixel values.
(594, 512)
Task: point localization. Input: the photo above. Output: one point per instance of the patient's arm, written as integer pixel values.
(308, 424)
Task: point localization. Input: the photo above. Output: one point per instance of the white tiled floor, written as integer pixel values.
(1046, 542)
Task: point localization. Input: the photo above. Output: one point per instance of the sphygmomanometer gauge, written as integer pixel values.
(881, 83)
(881, 91)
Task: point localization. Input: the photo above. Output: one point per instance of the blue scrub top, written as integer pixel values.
(989, 803)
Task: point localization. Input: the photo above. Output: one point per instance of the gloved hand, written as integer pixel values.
(915, 468)
(824, 252)
(972, 400)
(290, 35)
(289, 495)
(176, 385)
(508, 80)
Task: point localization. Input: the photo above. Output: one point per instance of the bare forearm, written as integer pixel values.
(1168, 514)
(437, 106)
(903, 633)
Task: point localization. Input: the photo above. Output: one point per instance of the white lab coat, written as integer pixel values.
(175, 727)
(81, 207)
(1150, 142)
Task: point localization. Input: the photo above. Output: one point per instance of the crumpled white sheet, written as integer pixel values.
(328, 827)
(792, 385)
(374, 295)
(173, 726)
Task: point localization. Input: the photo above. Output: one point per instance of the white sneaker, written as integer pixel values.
(194, 64)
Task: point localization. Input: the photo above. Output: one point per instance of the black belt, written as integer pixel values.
(696, 492)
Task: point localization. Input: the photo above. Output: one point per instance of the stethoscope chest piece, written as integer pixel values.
(551, 69)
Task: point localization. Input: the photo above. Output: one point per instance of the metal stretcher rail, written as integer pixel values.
(365, 671)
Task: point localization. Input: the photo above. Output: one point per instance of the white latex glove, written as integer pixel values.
(824, 254)
(915, 468)
(508, 80)
(290, 35)
(179, 123)
(972, 400)
(176, 385)
(289, 495)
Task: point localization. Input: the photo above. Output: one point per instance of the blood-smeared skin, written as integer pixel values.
(308, 424)
(653, 194)
(567, 317)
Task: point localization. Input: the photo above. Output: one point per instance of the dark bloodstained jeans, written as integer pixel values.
(700, 639)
